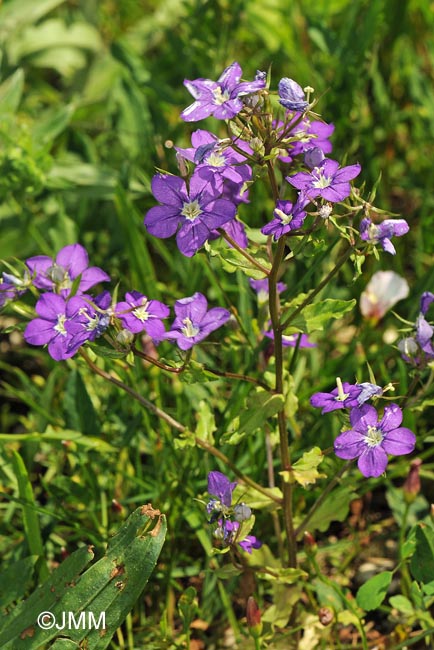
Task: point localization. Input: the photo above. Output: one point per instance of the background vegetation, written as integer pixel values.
(90, 96)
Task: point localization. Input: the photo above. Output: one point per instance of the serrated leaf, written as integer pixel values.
(422, 561)
(374, 591)
(304, 470)
(315, 316)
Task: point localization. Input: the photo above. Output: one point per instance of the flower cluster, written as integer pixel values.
(68, 316)
(233, 522)
(369, 439)
(418, 349)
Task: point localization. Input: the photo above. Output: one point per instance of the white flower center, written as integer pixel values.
(215, 159)
(284, 218)
(189, 330)
(60, 325)
(322, 181)
(341, 396)
(373, 232)
(192, 210)
(219, 97)
(374, 437)
(142, 312)
(60, 276)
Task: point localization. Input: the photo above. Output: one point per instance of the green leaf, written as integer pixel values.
(373, 592)
(257, 500)
(286, 576)
(422, 562)
(195, 373)
(315, 316)
(112, 585)
(304, 470)
(52, 124)
(206, 425)
(334, 508)
(232, 260)
(16, 14)
(11, 91)
(15, 580)
(259, 408)
(402, 604)
(188, 607)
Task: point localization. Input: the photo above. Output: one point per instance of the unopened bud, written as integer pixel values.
(325, 615)
(125, 337)
(253, 615)
(411, 485)
(257, 146)
(309, 542)
(116, 506)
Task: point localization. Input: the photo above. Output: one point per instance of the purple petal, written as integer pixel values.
(392, 418)
(169, 190)
(363, 417)
(425, 300)
(74, 258)
(92, 276)
(49, 306)
(347, 173)
(349, 444)
(230, 76)
(228, 110)
(39, 266)
(162, 221)
(398, 442)
(39, 332)
(373, 461)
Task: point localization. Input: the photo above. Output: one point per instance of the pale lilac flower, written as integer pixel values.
(58, 275)
(216, 160)
(195, 210)
(139, 314)
(193, 322)
(382, 232)
(382, 292)
(328, 181)
(292, 95)
(221, 98)
(287, 217)
(371, 440)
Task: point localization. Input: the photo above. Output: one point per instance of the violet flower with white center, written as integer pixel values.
(345, 395)
(309, 134)
(262, 288)
(139, 314)
(193, 322)
(221, 98)
(216, 160)
(328, 181)
(50, 327)
(382, 292)
(196, 210)
(425, 301)
(371, 440)
(58, 275)
(292, 95)
(91, 315)
(287, 217)
(382, 232)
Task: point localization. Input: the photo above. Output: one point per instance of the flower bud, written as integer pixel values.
(325, 615)
(309, 542)
(411, 485)
(253, 615)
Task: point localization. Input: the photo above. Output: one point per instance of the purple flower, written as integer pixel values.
(59, 274)
(367, 391)
(193, 322)
(197, 210)
(221, 487)
(292, 95)
(345, 395)
(313, 157)
(87, 318)
(50, 327)
(382, 232)
(287, 217)
(371, 440)
(425, 300)
(262, 288)
(424, 335)
(236, 230)
(219, 98)
(12, 287)
(328, 181)
(216, 160)
(309, 135)
(228, 531)
(139, 314)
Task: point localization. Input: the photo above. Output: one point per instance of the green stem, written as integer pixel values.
(235, 375)
(178, 426)
(341, 261)
(243, 252)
